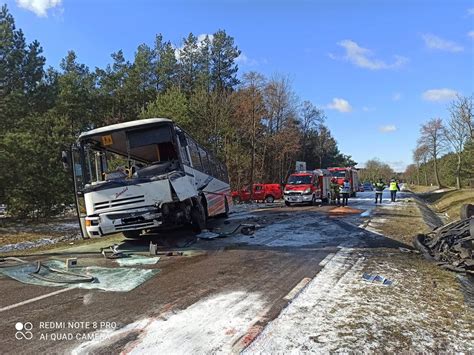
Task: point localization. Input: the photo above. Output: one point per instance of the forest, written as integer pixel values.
(254, 123)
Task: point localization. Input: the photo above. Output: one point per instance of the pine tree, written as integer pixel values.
(222, 57)
(166, 65)
(77, 95)
(171, 104)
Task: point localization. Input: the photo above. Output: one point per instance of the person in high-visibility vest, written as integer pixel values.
(379, 187)
(345, 191)
(393, 187)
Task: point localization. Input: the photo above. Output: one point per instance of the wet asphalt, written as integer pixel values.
(287, 246)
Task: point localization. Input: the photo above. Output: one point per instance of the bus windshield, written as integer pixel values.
(125, 154)
(299, 179)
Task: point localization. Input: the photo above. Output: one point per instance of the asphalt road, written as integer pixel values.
(214, 298)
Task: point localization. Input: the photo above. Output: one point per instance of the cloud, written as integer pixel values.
(203, 36)
(39, 7)
(398, 166)
(200, 40)
(245, 60)
(396, 96)
(471, 34)
(363, 57)
(388, 128)
(470, 11)
(340, 105)
(368, 109)
(439, 94)
(435, 42)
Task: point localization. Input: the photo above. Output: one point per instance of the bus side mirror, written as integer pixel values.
(65, 160)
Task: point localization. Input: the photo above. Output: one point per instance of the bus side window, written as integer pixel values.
(194, 150)
(213, 166)
(182, 149)
(205, 162)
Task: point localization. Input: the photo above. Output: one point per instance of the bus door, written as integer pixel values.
(78, 177)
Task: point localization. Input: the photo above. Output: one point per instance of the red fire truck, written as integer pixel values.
(260, 192)
(350, 174)
(308, 187)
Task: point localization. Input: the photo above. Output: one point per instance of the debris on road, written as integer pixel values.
(345, 210)
(44, 272)
(113, 252)
(450, 245)
(118, 279)
(206, 234)
(53, 275)
(406, 250)
(247, 229)
(376, 279)
(71, 263)
(134, 260)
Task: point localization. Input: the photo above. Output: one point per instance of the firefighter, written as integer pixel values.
(393, 187)
(379, 187)
(335, 193)
(345, 191)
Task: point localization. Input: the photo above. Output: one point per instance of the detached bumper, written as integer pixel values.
(298, 198)
(116, 222)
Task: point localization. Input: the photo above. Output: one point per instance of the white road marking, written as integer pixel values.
(35, 299)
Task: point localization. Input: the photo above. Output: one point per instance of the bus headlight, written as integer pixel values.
(307, 191)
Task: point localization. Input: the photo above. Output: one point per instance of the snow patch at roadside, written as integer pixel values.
(339, 312)
(28, 245)
(211, 325)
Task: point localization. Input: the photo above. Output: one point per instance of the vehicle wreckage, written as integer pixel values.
(137, 176)
(451, 245)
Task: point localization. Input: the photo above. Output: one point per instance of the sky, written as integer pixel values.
(379, 69)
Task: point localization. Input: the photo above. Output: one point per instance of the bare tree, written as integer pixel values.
(253, 84)
(420, 156)
(282, 106)
(459, 130)
(375, 170)
(463, 107)
(312, 118)
(433, 137)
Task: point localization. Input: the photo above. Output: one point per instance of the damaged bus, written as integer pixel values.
(143, 175)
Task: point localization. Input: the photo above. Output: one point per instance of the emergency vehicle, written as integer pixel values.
(350, 174)
(308, 187)
(260, 192)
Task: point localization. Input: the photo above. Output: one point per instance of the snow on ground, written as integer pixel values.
(27, 245)
(211, 325)
(306, 230)
(66, 226)
(37, 243)
(338, 311)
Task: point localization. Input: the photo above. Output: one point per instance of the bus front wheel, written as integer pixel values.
(198, 218)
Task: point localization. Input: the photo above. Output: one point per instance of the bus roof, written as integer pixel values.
(123, 125)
